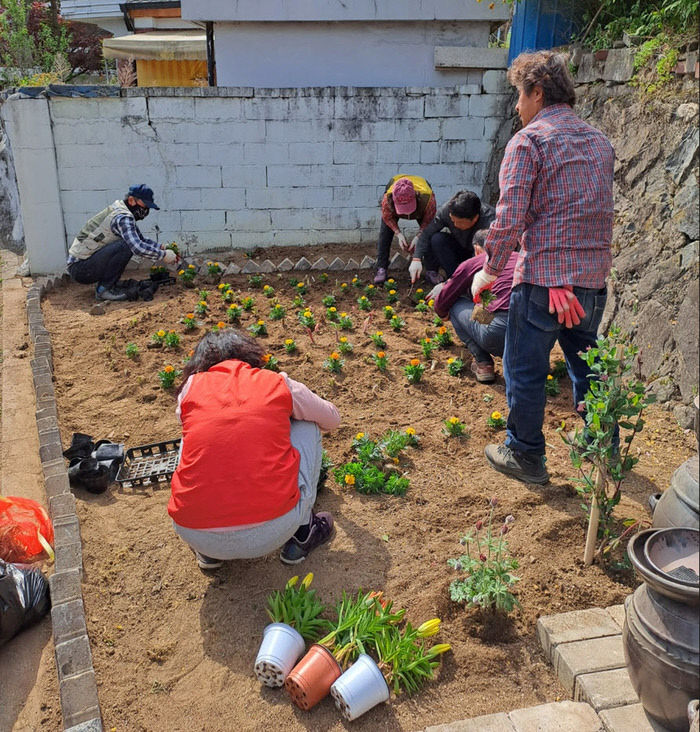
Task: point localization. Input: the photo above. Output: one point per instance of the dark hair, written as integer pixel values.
(224, 345)
(480, 237)
(464, 205)
(545, 69)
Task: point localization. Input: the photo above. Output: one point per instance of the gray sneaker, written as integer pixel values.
(108, 293)
(518, 465)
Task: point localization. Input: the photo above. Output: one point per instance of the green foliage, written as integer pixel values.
(132, 350)
(616, 397)
(487, 567)
(298, 607)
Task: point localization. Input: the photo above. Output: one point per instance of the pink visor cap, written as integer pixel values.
(404, 196)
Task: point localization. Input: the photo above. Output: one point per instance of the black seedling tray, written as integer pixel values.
(146, 464)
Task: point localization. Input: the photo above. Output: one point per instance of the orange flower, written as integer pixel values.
(266, 357)
(335, 356)
(442, 330)
(190, 315)
(221, 325)
(381, 354)
(415, 362)
(169, 369)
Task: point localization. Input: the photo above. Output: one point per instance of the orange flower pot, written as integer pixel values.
(311, 679)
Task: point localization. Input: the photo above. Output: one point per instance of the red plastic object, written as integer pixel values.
(26, 532)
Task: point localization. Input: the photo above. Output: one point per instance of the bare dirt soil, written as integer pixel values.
(174, 648)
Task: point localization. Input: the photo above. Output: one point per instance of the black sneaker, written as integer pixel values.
(319, 531)
(527, 468)
(108, 293)
(208, 563)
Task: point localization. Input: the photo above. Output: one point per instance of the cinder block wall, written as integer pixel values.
(243, 167)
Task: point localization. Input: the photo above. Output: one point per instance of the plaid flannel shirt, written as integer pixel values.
(556, 201)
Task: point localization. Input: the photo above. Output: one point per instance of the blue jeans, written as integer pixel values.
(483, 341)
(530, 337)
(104, 267)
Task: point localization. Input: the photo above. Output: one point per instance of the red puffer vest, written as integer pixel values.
(237, 465)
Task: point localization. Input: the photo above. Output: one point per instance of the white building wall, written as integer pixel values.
(385, 53)
(244, 168)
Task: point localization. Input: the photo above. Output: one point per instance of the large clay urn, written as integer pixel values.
(679, 505)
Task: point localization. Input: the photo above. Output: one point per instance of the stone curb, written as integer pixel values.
(80, 706)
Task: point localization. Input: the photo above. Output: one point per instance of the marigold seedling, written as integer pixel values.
(454, 427)
(414, 371)
(172, 339)
(203, 294)
(551, 386)
(334, 363)
(443, 337)
(421, 307)
(290, 345)
(298, 301)
(258, 328)
(269, 362)
(328, 301)
(559, 368)
(247, 303)
(323, 277)
(364, 303)
(189, 321)
(131, 350)
(255, 281)
(427, 346)
(332, 314)
(277, 312)
(454, 366)
(378, 339)
(496, 421)
(345, 322)
(301, 288)
(306, 318)
(392, 296)
(187, 275)
(214, 269)
(158, 338)
(201, 308)
(269, 291)
(168, 375)
(388, 312)
(380, 360)
(355, 282)
(218, 326)
(397, 323)
(344, 346)
(234, 312)
(370, 290)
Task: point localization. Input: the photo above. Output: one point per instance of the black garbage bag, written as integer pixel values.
(24, 598)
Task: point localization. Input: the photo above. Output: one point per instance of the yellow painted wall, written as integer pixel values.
(171, 73)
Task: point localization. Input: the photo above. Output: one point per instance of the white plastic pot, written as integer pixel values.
(360, 688)
(279, 651)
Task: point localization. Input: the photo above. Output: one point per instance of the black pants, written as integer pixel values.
(386, 236)
(104, 267)
(446, 252)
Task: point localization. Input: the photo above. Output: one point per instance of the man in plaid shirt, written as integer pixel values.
(556, 202)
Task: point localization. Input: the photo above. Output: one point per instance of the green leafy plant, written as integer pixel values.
(247, 303)
(378, 339)
(397, 323)
(223, 288)
(390, 284)
(496, 421)
(414, 371)
(617, 396)
(437, 320)
(356, 282)
(269, 362)
(203, 294)
(487, 567)
(345, 322)
(332, 314)
(258, 328)
(167, 376)
(290, 345)
(299, 607)
(187, 275)
(172, 339)
(427, 346)
(370, 290)
(301, 288)
(388, 312)
(201, 308)
(558, 369)
(277, 312)
(217, 327)
(306, 318)
(551, 385)
(421, 306)
(323, 277)
(418, 295)
(188, 320)
(454, 366)
(344, 346)
(392, 296)
(158, 338)
(234, 312)
(255, 281)
(328, 301)
(334, 363)
(132, 351)
(443, 337)
(269, 291)
(380, 360)
(364, 303)
(454, 427)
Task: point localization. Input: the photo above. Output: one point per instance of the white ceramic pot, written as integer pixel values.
(360, 688)
(279, 651)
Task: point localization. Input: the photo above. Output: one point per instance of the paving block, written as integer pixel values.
(73, 657)
(320, 264)
(303, 264)
(267, 266)
(488, 723)
(92, 725)
(617, 613)
(585, 657)
(250, 267)
(397, 262)
(66, 530)
(606, 689)
(351, 265)
(556, 717)
(79, 701)
(68, 620)
(232, 269)
(574, 626)
(65, 586)
(631, 718)
(58, 487)
(367, 262)
(68, 556)
(285, 265)
(336, 265)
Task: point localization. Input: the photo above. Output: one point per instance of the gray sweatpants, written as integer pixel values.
(265, 538)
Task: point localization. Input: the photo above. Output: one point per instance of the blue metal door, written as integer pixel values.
(542, 24)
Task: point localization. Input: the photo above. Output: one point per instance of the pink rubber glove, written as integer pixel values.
(565, 304)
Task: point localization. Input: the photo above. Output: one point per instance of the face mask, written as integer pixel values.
(140, 212)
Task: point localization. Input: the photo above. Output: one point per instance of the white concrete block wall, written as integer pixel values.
(249, 167)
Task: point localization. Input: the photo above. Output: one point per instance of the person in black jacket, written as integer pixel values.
(463, 215)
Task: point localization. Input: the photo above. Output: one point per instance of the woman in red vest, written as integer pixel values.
(250, 457)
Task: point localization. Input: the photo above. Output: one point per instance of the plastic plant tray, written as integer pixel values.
(148, 464)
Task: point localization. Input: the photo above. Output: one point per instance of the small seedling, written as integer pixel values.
(255, 281)
(132, 351)
(214, 269)
(421, 307)
(277, 312)
(168, 375)
(306, 318)
(258, 328)
(392, 296)
(380, 360)
(328, 301)
(344, 346)
(158, 338)
(332, 314)
(414, 371)
(397, 323)
(269, 291)
(247, 303)
(364, 303)
(290, 345)
(551, 386)
(269, 362)
(201, 308)
(234, 312)
(496, 421)
(443, 337)
(455, 428)
(378, 339)
(454, 366)
(345, 322)
(334, 363)
(172, 339)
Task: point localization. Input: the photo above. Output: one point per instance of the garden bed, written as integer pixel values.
(174, 648)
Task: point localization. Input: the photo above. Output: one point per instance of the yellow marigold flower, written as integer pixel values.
(370, 287)
(381, 354)
(431, 303)
(307, 580)
(415, 362)
(208, 263)
(332, 309)
(496, 415)
(395, 461)
(300, 284)
(390, 281)
(359, 435)
(217, 264)
(429, 628)
(343, 339)
(233, 306)
(191, 266)
(292, 581)
(354, 279)
(203, 303)
(453, 420)
(388, 308)
(450, 360)
(221, 324)
(410, 431)
(392, 292)
(442, 330)
(343, 285)
(161, 334)
(550, 377)
(379, 333)
(343, 315)
(349, 479)
(189, 315)
(181, 272)
(261, 322)
(169, 369)
(266, 357)
(288, 341)
(190, 354)
(335, 356)
(419, 291)
(221, 285)
(422, 301)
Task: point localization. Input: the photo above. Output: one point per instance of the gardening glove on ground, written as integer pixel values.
(565, 304)
(403, 244)
(481, 282)
(170, 257)
(412, 245)
(435, 291)
(414, 269)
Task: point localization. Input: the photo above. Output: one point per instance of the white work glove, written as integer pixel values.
(170, 257)
(435, 291)
(412, 245)
(414, 269)
(403, 245)
(480, 281)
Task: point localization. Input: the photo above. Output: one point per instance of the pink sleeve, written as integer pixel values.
(310, 407)
(181, 396)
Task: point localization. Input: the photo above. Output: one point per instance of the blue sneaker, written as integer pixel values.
(318, 532)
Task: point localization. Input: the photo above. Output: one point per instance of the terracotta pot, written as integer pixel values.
(678, 505)
(360, 688)
(280, 648)
(311, 679)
